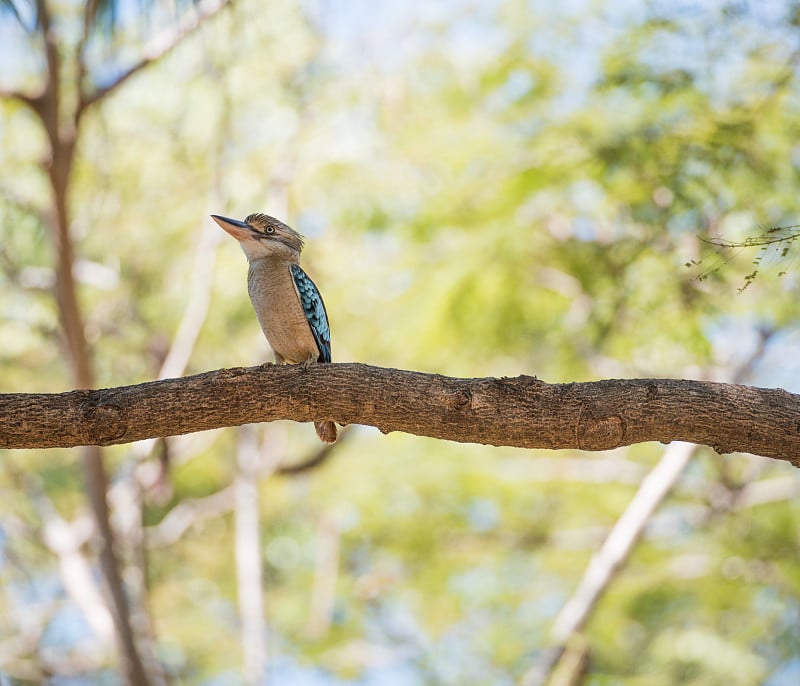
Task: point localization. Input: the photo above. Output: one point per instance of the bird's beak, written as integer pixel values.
(239, 230)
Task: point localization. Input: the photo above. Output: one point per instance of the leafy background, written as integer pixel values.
(487, 188)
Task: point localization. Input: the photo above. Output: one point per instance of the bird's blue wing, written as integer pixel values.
(314, 310)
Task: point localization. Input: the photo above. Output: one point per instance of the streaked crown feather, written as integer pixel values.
(274, 229)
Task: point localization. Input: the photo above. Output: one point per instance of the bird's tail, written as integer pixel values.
(326, 431)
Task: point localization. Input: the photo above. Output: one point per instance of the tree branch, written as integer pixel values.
(157, 48)
(617, 547)
(249, 560)
(31, 101)
(623, 537)
(188, 513)
(316, 458)
(521, 411)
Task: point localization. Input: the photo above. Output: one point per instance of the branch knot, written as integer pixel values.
(105, 423)
(595, 431)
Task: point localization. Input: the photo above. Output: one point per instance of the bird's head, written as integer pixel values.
(263, 236)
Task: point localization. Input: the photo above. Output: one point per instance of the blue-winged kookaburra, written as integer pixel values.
(287, 303)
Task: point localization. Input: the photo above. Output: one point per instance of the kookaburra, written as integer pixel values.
(287, 303)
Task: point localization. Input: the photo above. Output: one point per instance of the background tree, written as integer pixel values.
(509, 189)
(67, 89)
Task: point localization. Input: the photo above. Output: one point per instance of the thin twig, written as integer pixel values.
(775, 234)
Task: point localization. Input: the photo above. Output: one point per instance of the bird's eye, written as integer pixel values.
(270, 229)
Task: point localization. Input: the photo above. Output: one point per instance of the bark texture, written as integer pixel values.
(521, 411)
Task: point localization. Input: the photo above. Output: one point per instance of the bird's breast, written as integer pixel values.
(279, 312)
